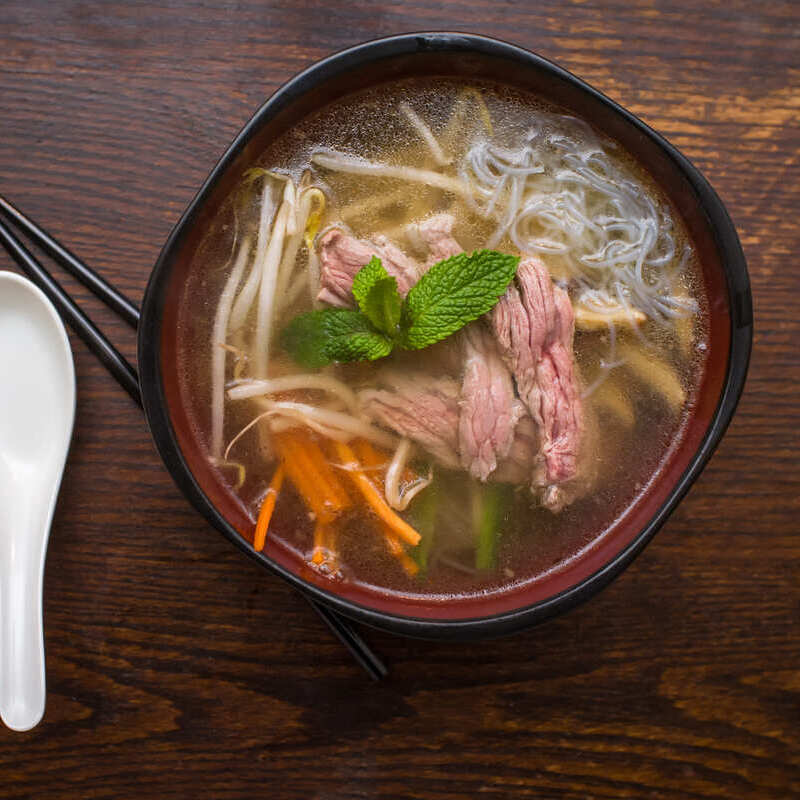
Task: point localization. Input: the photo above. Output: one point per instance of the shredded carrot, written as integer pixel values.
(318, 555)
(311, 475)
(333, 553)
(373, 496)
(409, 565)
(369, 455)
(396, 549)
(324, 549)
(267, 507)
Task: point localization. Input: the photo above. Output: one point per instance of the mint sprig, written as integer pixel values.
(366, 278)
(333, 334)
(376, 293)
(451, 294)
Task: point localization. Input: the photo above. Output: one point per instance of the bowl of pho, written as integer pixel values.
(445, 336)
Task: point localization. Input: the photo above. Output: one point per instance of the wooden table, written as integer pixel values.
(177, 669)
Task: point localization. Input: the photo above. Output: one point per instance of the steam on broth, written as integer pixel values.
(499, 452)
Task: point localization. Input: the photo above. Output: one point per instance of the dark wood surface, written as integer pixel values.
(176, 669)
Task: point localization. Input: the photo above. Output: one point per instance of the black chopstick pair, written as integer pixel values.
(118, 365)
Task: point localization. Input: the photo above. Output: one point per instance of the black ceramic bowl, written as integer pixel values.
(471, 57)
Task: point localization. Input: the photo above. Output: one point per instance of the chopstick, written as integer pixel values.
(114, 299)
(358, 648)
(119, 366)
(109, 356)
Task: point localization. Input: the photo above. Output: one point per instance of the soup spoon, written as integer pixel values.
(37, 411)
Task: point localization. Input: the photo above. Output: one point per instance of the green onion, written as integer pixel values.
(423, 515)
(490, 505)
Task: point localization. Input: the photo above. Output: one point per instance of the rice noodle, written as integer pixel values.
(396, 496)
(574, 204)
(341, 162)
(218, 354)
(288, 383)
(269, 277)
(425, 134)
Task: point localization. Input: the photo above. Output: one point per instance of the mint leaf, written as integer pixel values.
(452, 293)
(376, 293)
(382, 306)
(333, 334)
(366, 278)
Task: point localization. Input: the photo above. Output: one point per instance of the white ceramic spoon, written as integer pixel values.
(37, 410)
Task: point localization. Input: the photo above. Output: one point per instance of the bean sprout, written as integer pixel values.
(341, 162)
(399, 496)
(247, 295)
(218, 335)
(269, 278)
(322, 420)
(425, 134)
(288, 383)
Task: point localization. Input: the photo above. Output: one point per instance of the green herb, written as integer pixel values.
(383, 306)
(423, 515)
(454, 292)
(377, 297)
(451, 294)
(366, 278)
(490, 504)
(333, 334)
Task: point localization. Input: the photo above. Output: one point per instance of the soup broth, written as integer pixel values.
(496, 169)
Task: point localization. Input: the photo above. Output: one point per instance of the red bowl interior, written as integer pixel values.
(584, 104)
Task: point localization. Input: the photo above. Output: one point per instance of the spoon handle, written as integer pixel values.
(22, 682)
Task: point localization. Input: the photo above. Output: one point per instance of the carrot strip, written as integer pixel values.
(301, 475)
(330, 544)
(409, 565)
(267, 507)
(334, 487)
(324, 548)
(373, 496)
(318, 554)
(369, 455)
(396, 549)
(311, 474)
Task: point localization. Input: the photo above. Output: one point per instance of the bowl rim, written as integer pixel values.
(739, 306)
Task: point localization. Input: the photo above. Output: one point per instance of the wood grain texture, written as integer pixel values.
(176, 669)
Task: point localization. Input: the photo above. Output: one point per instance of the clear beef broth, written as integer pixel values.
(633, 410)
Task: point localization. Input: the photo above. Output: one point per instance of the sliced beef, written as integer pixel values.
(534, 324)
(422, 407)
(425, 409)
(518, 466)
(436, 234)
(342, 256)
(489, 409)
